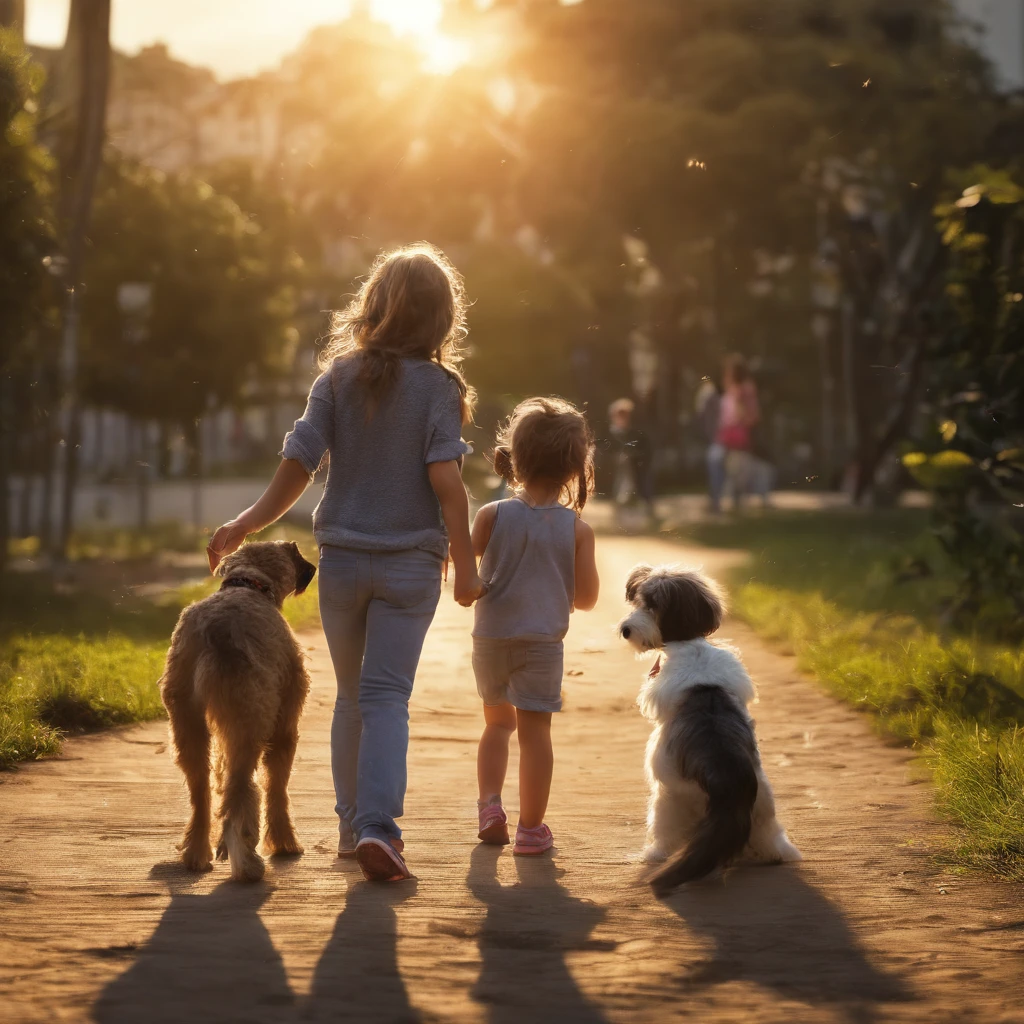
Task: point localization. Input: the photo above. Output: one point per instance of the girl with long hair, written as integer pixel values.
(387, 411)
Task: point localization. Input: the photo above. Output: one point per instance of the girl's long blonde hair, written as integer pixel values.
(548, 439)
(412, 303)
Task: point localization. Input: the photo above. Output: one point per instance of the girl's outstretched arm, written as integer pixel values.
(290, 480)
(446, 479)
(588, 584)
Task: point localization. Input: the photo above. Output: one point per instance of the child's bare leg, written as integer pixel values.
(536, 762)
(492, 754)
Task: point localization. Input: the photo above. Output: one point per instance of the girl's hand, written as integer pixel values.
(227, 539)
(473, 589)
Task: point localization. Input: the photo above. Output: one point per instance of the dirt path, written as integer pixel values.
(98, 923)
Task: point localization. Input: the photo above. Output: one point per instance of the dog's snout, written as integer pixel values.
(626, 632)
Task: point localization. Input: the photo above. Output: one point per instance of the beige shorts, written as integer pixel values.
(524, 673)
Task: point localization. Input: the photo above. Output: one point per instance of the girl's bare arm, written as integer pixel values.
(290, 480)
(483, 525)
(446, 479)
(588, 584)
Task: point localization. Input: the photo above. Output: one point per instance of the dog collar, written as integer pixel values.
(655, 668)
(249, 582)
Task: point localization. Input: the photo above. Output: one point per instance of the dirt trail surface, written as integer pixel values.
(97, 922)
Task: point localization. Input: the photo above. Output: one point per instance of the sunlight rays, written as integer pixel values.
(421, 20)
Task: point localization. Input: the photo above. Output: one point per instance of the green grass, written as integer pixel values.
(858, 598)
(72, 663)
(52, 685)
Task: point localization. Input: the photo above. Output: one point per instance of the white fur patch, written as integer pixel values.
(640, 630)
(698, 663)
(676, 804)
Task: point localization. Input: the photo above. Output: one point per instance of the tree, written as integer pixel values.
(219, 307)
(26, 237)
(709, 131)
(973, 457)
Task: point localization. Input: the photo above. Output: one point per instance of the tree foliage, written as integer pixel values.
(222, 295)
(26, 239)
(724, 141)
(26, 224)
(974, 455)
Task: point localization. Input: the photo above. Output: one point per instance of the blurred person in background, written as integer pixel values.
(739, 415)
(709, 410)
(630, 449)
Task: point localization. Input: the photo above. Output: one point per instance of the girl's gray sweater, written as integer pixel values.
(378, 495)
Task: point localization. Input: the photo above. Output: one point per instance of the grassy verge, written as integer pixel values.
(76, 662)
(857, 598)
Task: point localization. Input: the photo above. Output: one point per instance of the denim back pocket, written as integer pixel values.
(338, 571)
(412, 581)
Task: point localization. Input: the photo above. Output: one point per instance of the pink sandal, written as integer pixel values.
(493, 824)
(533, 841)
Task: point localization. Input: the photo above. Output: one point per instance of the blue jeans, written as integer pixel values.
(716, 474)
(376, 608)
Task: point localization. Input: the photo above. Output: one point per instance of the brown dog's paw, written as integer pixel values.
(284, 845)
(198, 860)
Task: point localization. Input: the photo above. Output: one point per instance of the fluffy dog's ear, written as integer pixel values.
(689, 605)
(304, 571)
(637, 576)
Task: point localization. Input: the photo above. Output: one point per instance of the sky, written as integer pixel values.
(233, 37)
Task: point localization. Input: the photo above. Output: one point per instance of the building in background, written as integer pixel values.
(1000, 26)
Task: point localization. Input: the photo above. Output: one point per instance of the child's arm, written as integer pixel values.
(483, 526)
(588, 584)
(290, 480)
(446, 479)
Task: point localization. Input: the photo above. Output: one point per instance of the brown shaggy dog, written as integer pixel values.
(234, 669)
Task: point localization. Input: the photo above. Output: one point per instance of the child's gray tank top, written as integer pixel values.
(529, 566)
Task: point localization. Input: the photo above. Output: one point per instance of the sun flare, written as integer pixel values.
(421, 20)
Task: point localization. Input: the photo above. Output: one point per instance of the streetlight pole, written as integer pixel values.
(68, 462)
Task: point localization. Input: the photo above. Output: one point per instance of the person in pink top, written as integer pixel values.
(740, 413)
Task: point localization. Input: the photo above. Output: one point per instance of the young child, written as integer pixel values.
(389, 409)
(538, 564)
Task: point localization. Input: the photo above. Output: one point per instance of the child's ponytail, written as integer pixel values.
(583, 482)
(502, 462)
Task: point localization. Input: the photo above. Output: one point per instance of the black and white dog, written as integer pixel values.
(710, 802)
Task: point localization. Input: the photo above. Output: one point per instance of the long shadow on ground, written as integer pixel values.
(771, 927)
(210, 959)
(529, 929)
(357, 976)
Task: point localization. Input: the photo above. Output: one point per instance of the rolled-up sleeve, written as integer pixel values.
(311, 436)
(445, 443)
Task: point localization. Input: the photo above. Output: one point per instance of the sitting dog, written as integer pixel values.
(235, 669)
(710, 801)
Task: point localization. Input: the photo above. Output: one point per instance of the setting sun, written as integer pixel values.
(420, 19)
